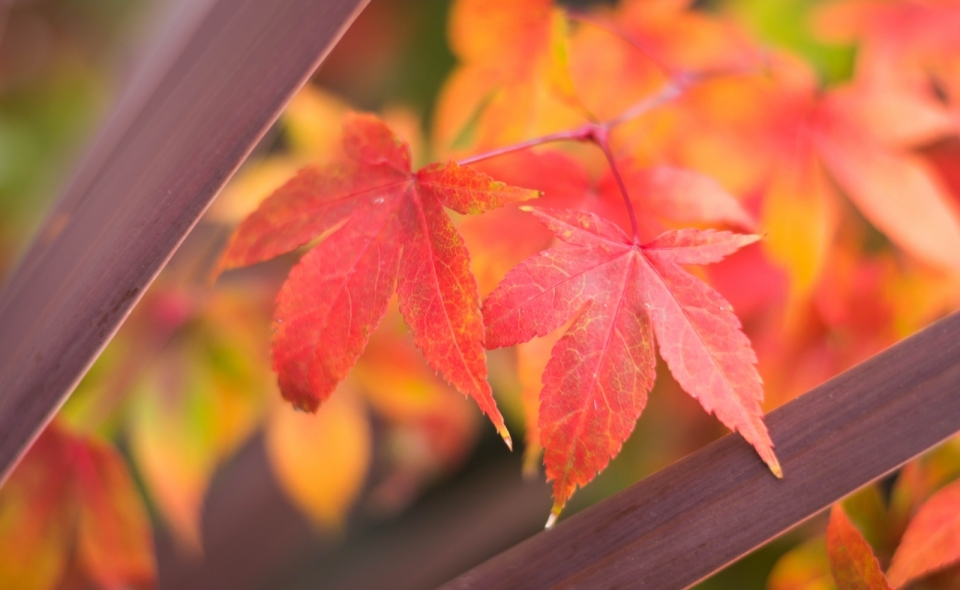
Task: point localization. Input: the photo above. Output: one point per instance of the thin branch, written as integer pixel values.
(578, 134)
(670, 91)
(602, 139)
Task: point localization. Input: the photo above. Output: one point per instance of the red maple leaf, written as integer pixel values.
(619, 293)
(383, 227)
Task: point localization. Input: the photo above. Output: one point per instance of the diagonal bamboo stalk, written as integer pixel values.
(190, 119)
(689, 520)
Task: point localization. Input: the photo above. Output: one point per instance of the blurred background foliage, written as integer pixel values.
(187, 384)
(57, 61)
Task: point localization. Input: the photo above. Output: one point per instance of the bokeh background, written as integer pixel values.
(398, 482)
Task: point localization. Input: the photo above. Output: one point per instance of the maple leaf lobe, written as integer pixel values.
(468, 191)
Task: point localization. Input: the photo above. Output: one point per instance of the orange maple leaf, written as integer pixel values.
(73, 495)
(852, 561)
(932, 539)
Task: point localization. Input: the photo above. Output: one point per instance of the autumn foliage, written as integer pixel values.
(617, 293)
(337, 295)
(73, 512)
(908, 539)
(614, 289)
(601, 190)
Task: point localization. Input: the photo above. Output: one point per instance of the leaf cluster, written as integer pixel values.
(586, 165)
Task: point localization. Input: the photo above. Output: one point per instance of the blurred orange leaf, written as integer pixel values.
(114, 540)
(932, 539)
(73, 491)
(321, 460)
(403, 389)
(429, 428)
(196, 403)
(532, 359)
(852, 562)
(506, 91)
(804, 567)
(897, 192)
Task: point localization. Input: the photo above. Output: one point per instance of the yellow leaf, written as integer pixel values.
(800, 220)
(321, 460)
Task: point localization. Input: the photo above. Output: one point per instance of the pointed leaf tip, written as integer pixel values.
(305, 405)
(551, 520)
(775, 468)
(505, 434)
